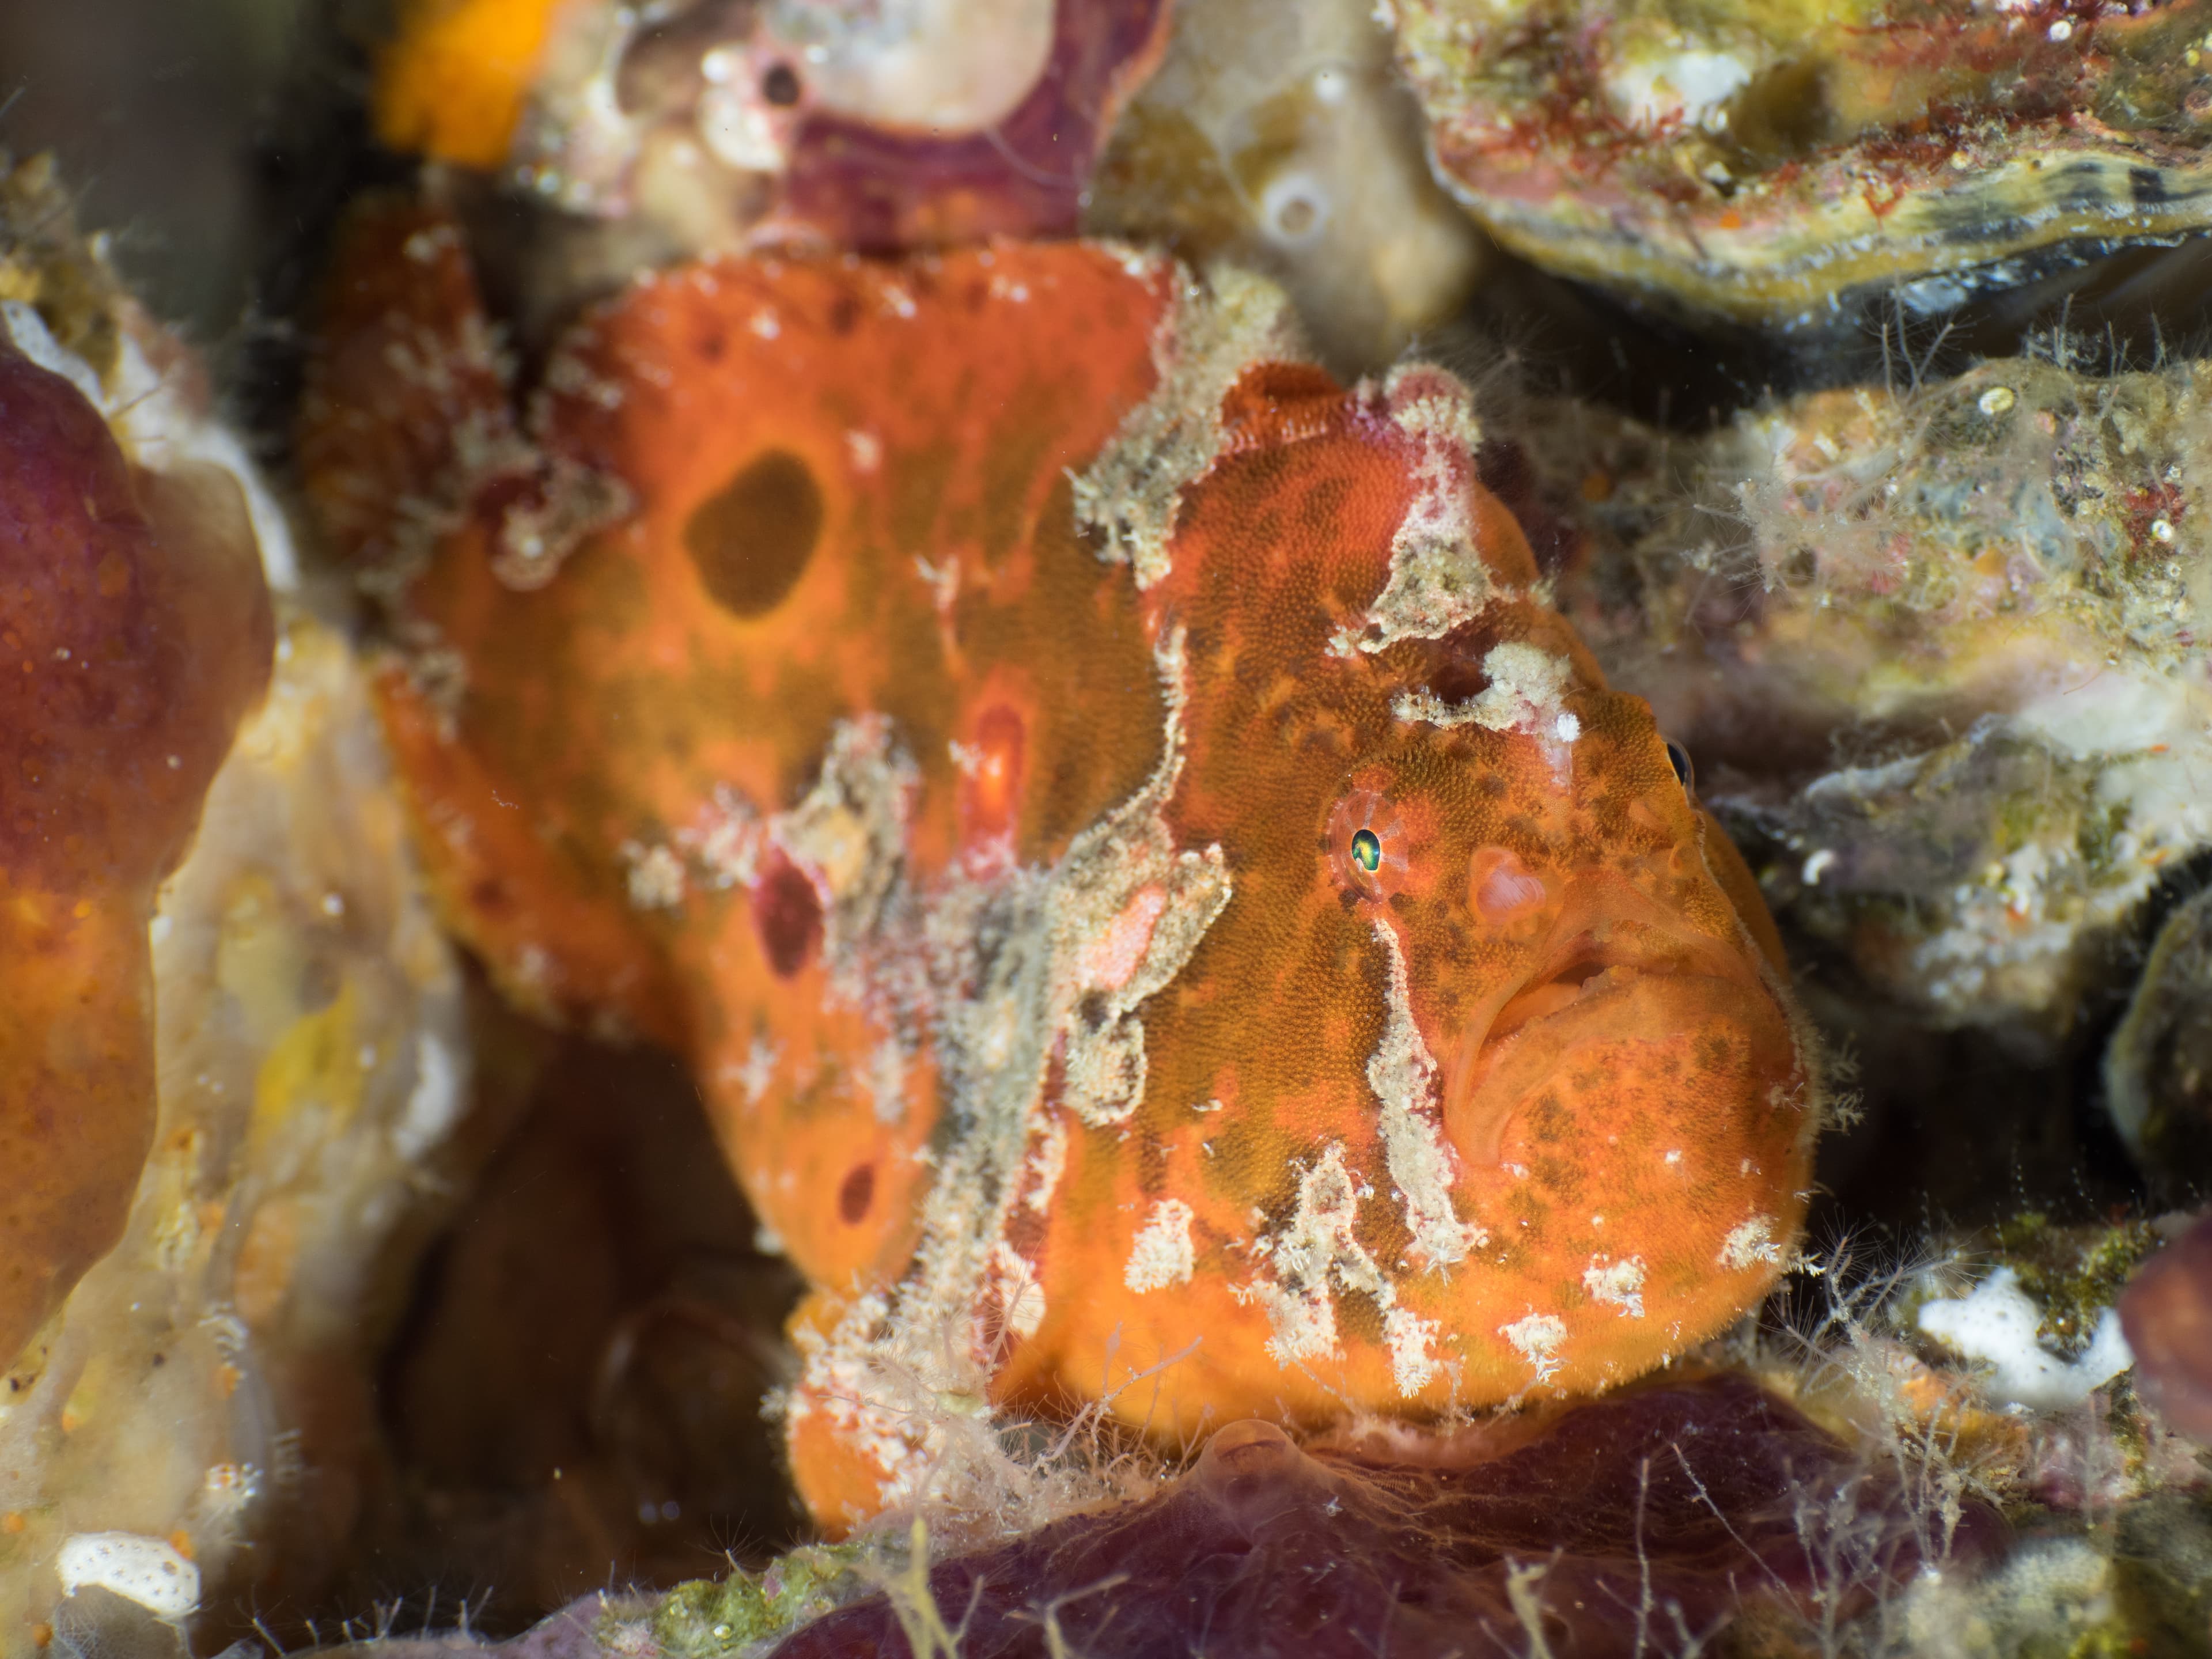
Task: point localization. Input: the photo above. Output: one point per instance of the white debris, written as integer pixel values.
(1410, 1339)
(1538, 1340)
(1688, 86)
(435, 1105)
(1525, 694)
(1749, 1245)
(147, 1570)
(1617, 1284)
(1996, 1322)
(1162, 1253)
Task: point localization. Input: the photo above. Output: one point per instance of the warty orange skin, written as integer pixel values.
(1138, 869)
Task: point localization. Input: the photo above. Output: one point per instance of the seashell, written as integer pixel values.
(1768, 163)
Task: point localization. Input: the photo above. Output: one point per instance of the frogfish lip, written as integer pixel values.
(1616, 969)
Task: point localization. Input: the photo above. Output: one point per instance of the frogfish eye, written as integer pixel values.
(1366, 846)
(1685, 773)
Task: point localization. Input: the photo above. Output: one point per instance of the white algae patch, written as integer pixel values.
(1997, 1322)
(1315, 1254)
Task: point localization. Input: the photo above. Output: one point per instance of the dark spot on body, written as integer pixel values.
(788, 917)
(751, 540)
(856, 1193)
(844, 314)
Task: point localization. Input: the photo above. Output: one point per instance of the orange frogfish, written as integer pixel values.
(1147, 886)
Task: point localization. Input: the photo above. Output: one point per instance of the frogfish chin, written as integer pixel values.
(1161, 911)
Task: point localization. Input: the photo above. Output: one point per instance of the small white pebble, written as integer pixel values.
(1996, 400)
(1817, 866)
(2063, 29)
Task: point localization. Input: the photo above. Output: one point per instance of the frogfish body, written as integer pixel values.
(1160, 909)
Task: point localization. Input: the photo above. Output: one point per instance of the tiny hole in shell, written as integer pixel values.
(780, 86)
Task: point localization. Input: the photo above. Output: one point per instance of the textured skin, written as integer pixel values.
(1008, 909)
(134, 630)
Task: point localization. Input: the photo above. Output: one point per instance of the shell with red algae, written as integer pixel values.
(1768, 163)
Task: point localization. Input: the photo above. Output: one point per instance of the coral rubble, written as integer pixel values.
(1934, 647)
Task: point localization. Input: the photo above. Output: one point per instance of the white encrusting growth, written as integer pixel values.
(1206, 339)
(655, 878)
(1438, 578)
(148, 1571)
(1617, 1284)
(1316, 1254)
(434, 1105)
(1998, 1322)
(1403, 1074)
(1538, 1340)
(1162, 1253)
(1749, 1245)
(1526, 694)
(1000, 964)
(1021, 1299)
(1046, 1165)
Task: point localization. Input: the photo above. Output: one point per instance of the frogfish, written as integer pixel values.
(1163, 914)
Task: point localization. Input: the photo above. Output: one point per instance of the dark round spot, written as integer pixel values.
(855, 1193)
(1367, 851)
(751, 539)
(780, 86)
(788, 917)
(1685, 773)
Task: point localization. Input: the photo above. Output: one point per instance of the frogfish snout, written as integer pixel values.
(1687, 1014)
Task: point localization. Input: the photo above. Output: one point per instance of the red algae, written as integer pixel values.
(136, 629)
(1636, 1524)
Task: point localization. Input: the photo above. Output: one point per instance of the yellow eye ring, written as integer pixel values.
(1367, 851)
